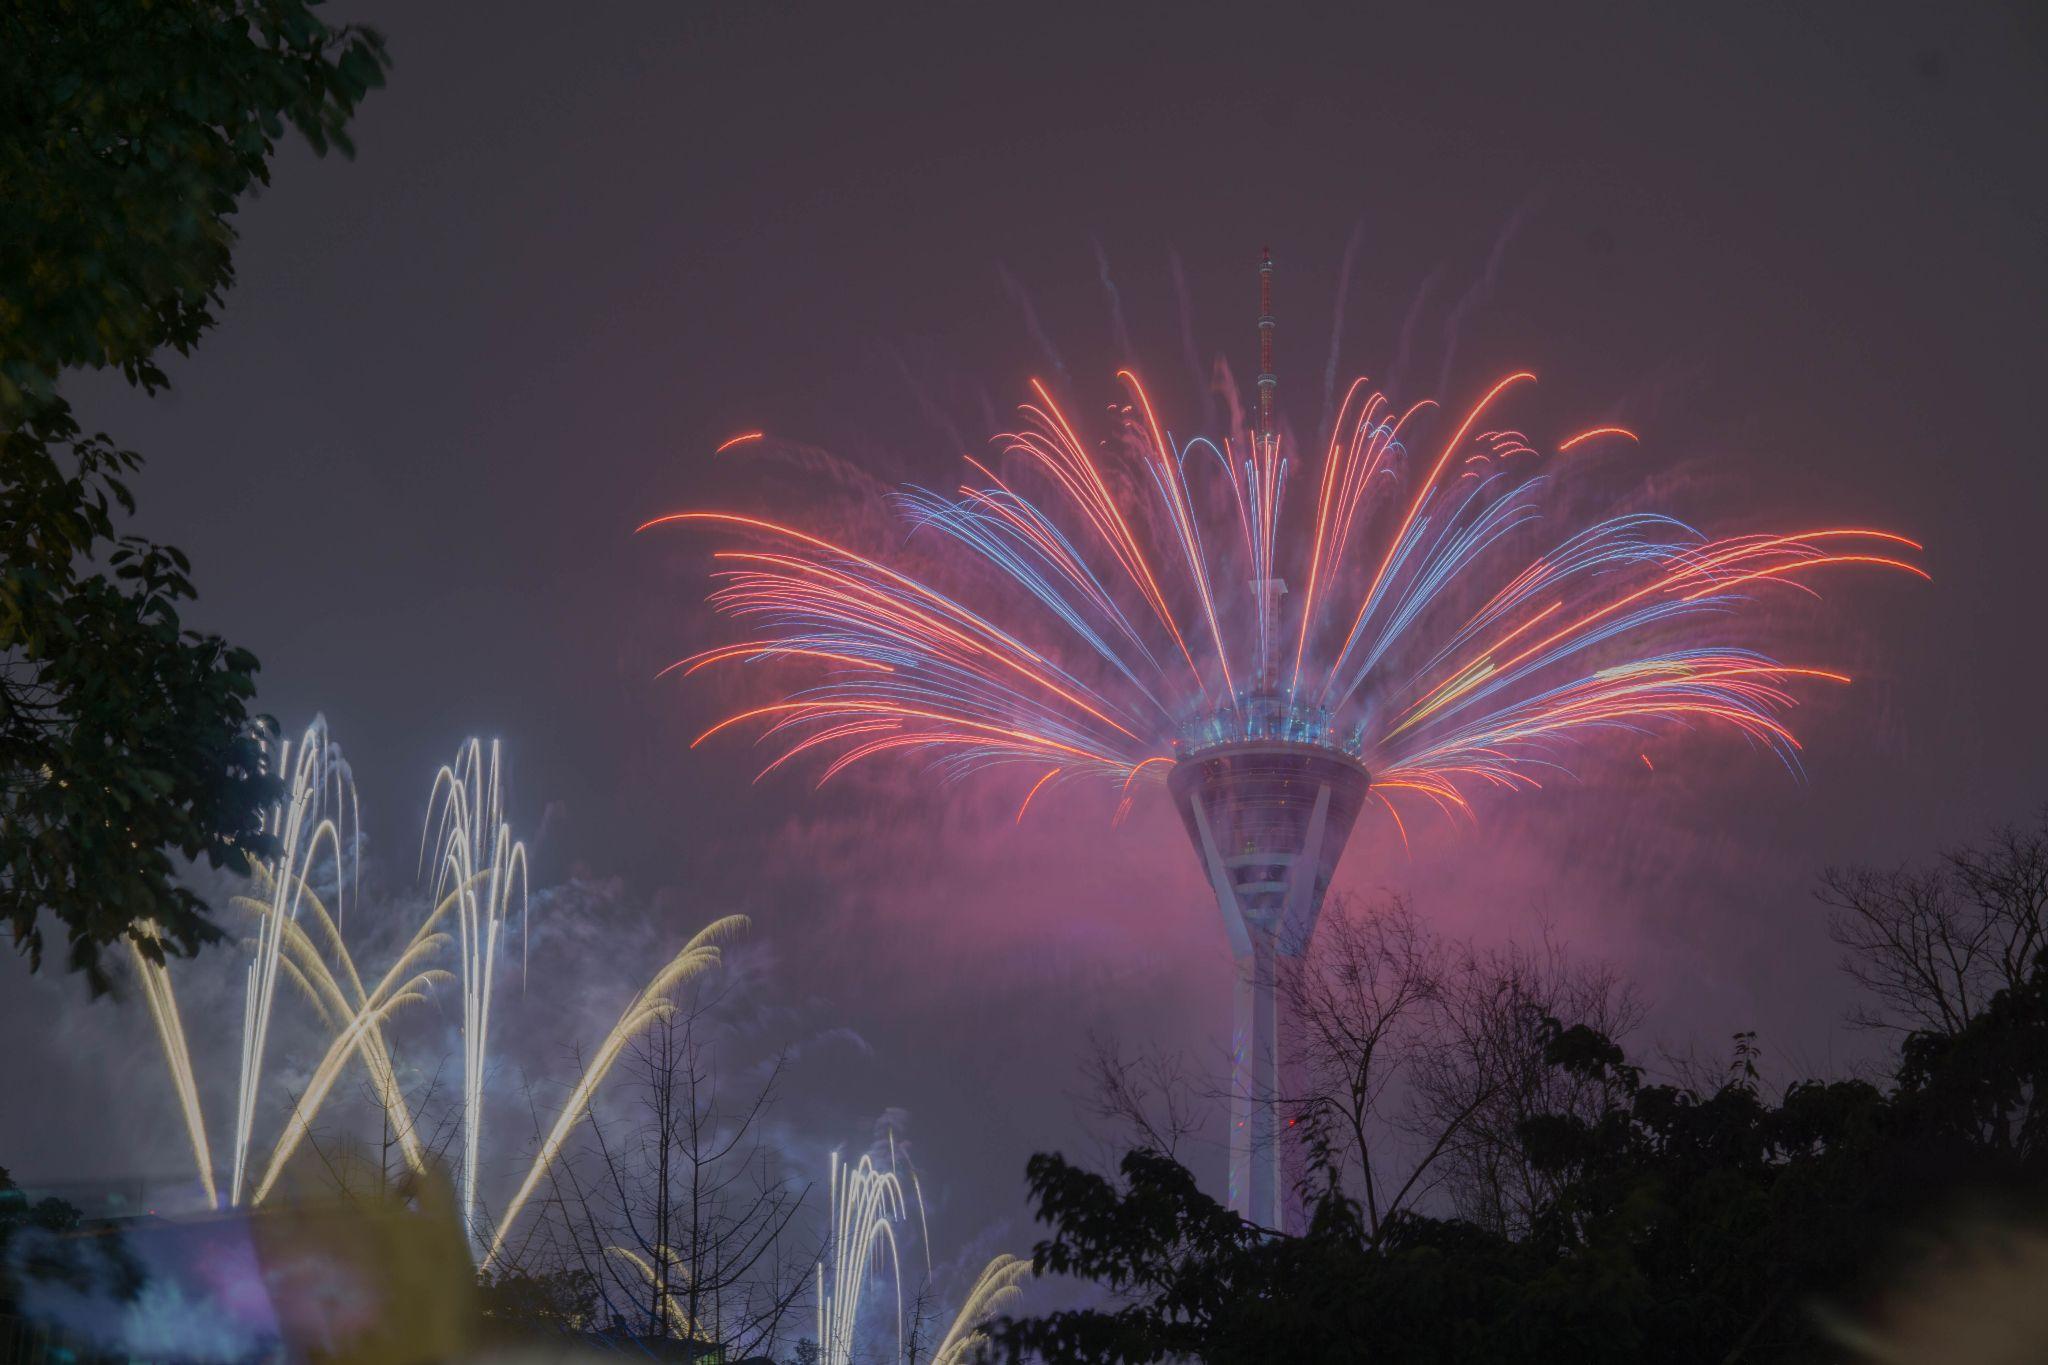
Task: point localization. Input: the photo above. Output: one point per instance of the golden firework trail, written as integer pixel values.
(999, 1287)
(699, 955)
(679, 1320)
(163, 1012)
(356, 1029)
(302, 825)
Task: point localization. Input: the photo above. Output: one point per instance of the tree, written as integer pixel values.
(1194, 1281)
(130, 133)
(678, 1217)
(563, 1299)
(1363, 1006)
(1489, 1072)
(1151, 1097)
(1932, 944)
(1418, 1058)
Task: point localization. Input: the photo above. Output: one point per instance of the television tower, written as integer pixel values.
(1269, 797)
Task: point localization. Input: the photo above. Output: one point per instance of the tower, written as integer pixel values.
(1269, 796)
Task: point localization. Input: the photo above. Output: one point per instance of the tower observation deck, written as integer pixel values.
(1269, 795)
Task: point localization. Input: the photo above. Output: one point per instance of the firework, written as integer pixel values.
(867, 1202)
(319, 795)
(319, 798)
(283, 894)
(1452, 631)
(357, 1029)
(170, 1030)
(999, 1286)
(477, 866)
(479, 870)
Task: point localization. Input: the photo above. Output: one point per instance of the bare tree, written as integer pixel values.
(1417, 1059)
(346, 1163)
(1484, 1074)
(681, 1217)
(919, 1324)
(1933, 944)
(1150, 1098)
(1362, 1007)
(433, 1141)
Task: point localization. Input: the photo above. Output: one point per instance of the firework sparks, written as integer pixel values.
(867, 1202)
(170, 1030)
(283, 893)
(320, 794)
(478, 864)
(1000, 1285)
(672, 1309)
(479, 869)
(357, 1030)
(1450, 634)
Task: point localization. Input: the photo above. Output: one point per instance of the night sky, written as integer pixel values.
(1800, 252)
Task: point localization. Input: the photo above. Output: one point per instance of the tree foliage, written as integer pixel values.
(40, 1247)
(129, 133)
(563, 1299)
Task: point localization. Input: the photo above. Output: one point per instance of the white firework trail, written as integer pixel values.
(867, 1200)
(319, 797)
(477, 864)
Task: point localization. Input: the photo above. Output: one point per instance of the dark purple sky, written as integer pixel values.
(1802, 252)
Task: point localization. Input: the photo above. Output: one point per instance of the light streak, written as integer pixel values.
(866, 1202)
(999, 1285)
(319, 796)
(163, 1011)
(479, 865)
(1572, 442)
(1050, 774)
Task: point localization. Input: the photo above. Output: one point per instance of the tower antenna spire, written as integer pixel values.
(1267, 379)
